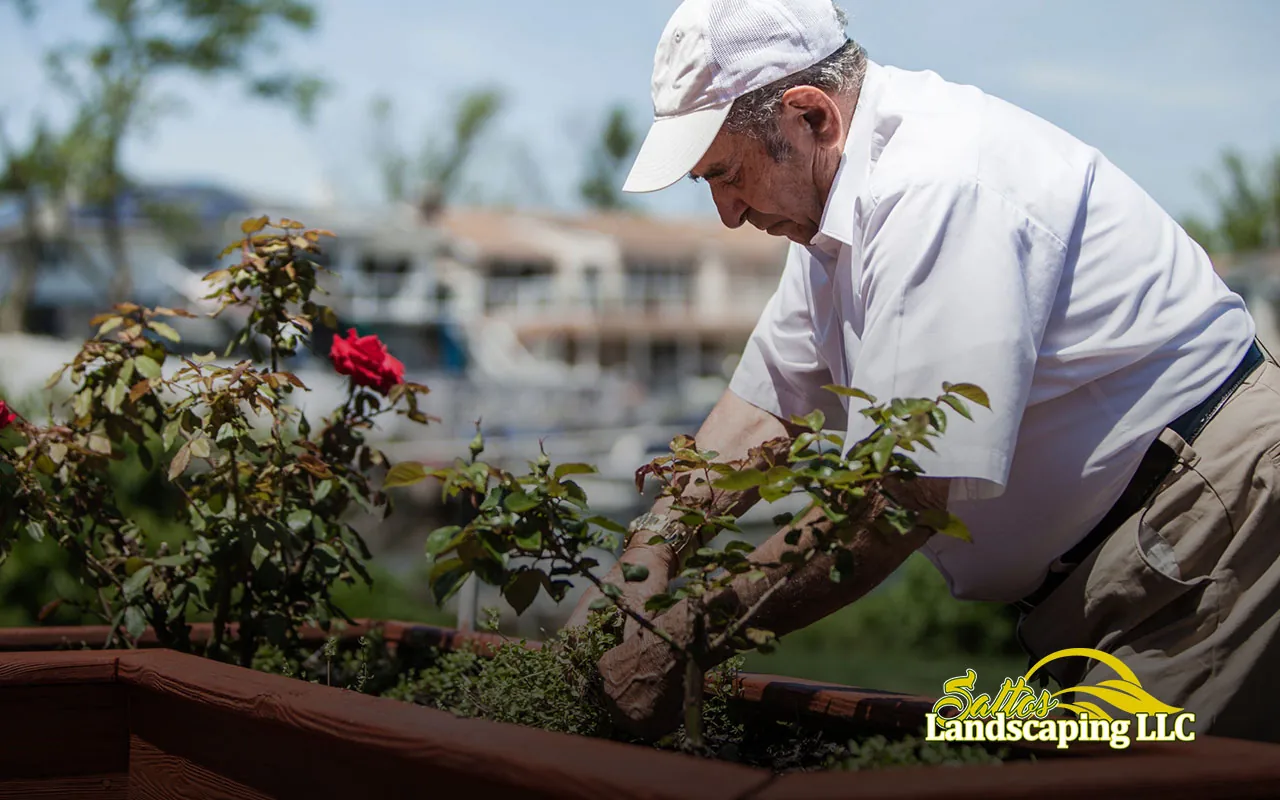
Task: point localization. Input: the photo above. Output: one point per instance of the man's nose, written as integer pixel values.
(733, 211)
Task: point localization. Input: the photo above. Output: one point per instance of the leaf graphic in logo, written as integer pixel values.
(1132, 700)
(1125, 694)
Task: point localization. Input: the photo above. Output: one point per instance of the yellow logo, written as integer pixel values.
(1018, 713)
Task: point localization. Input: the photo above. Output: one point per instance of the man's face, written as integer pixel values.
(747, 185)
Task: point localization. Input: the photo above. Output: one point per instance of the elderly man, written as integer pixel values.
(1122, 490)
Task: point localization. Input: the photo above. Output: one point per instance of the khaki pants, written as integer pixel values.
(1187, 592)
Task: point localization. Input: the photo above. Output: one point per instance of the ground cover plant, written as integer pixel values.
(262, 497)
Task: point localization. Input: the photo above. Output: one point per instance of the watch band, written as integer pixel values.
(675, 534)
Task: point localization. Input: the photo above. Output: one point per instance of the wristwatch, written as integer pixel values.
(675, 534)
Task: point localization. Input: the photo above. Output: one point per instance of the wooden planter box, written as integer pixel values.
(154, 723)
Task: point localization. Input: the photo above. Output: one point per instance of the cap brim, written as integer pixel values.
(672, 147)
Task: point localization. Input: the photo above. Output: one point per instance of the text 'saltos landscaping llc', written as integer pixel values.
(1018, 713)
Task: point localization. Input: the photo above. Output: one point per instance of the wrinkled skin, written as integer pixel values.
(782, 198)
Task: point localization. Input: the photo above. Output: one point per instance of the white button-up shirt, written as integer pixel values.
(967, 240)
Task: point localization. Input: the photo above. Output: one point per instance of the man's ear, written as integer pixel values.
(810, 113)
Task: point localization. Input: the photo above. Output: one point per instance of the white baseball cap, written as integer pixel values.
(711, 53)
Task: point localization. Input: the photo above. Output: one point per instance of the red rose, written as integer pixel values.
(366, 360)
(6, 416)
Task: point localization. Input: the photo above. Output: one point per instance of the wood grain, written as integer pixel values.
(112, 786)
(40, 669)
(157, 775)
(249, 726)
(62, 731)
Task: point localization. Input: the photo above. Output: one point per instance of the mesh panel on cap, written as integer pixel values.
(758, 42)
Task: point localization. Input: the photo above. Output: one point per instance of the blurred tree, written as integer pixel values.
(30, 173)
(1247, 200)
(606, 168)
(113, 82)
(440, 167)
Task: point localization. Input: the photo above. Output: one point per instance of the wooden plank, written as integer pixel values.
(157, 775)
(79, 666)
(63, 731)
(269, 733)
(112, 786)
(810, 701)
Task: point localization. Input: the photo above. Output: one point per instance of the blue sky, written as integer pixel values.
(1160, 86)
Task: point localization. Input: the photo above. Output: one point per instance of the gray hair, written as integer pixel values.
(756, 114)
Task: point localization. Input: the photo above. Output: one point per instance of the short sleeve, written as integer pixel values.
(957, 285)
(781, 369)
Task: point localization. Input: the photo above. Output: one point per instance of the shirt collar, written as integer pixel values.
(836, 227)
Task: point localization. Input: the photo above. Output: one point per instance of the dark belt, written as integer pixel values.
(1154, 467)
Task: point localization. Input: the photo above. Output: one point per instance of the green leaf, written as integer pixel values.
(740, 480)
(258, 555)
(611, 590)
(848, 391)
(607, 524)
(442, 539)
(756, 575)
(147, 367)
(446, 577)
(326, 555)
(600, 604)
(519, 502)
(164, 330)
(772, 494)
(200, 447)
(110, 325)
(945, 523)
(529, 539)
(659, 602)
(778, 474)
(883, 449)
(406, 473)
(253, 225)
(783, 519)
(114, 396)
(814, 420)
(573, 469)
(135, 623)
(958, 405)
(170, 434)
(298, 520)
(35, 530)
(133, 585)
(522, 590)
(969, 391)
(634, 573)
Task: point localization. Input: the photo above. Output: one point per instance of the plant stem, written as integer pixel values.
(694, 684)
(743, 619)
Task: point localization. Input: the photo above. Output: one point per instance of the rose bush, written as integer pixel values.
(6, 415)
(262, 530)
